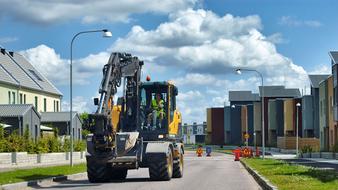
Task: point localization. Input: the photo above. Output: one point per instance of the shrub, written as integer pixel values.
(307, 149)
(79, 146)
(335, 148)
(15, 142)
(42, 146)
(54, 145)
(66, 145)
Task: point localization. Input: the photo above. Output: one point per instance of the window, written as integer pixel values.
(36, 102)
(20, 101)
(54, 106)
(79, 134)
(57, 106)
(9, 97)
(35, 75)
(44, 104)
(13, 99)
(24, 98)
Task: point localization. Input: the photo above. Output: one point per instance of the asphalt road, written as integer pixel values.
(218, 172)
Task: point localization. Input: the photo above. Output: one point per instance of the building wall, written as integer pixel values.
(257, 122)
(244, 122)
(235, 120)
(315, 94)
(331, 121)
(217, 116)
(251, 124)
(288, 117)
(30, 97)
(33, 121)
(272, 135)
(323, 116)
(279, 117)
(308, 116)
(227, 126)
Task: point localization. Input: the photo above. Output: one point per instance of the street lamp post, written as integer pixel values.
(239, 71)
(297, 136)
(106, 33)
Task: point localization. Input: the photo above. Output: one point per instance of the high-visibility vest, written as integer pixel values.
(157, 106)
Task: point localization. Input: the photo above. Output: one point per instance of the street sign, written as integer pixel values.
(246, 136)
(208, 150)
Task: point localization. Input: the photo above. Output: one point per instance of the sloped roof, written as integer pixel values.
(279, 92)
(334, 56)
(57, 116)
(15, 110)
(316, 79)
(16, 70)
(243, 96)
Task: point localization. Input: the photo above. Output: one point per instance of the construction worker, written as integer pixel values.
(157, 106)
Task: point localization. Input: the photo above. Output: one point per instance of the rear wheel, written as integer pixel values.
(118, 174)
(162, 169)
(178, 167)
(97, 172)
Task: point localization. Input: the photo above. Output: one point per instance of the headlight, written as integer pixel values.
(160, 136)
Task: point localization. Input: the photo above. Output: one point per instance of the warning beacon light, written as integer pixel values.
(148, 78)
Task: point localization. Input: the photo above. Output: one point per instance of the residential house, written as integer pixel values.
(61, 121)
(19, 118)
(21, 83)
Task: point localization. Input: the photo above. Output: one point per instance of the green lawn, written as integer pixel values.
(39, 173)
(286, 176)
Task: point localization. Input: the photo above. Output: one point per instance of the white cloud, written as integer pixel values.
(80, 104)
(88, 11)
(208, 47)
(5, 40)
(294, 22)
(321, 69)
(277, 38)
(199, 51)
(56, 69)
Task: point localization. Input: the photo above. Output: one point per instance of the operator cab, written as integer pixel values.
(157, 107)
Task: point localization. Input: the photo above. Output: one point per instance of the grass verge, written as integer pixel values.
(39, 173)
(286, 176)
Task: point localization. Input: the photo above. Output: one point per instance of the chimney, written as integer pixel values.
(11, 53)
(3, 51)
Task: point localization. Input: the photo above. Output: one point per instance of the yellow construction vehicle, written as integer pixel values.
(141, 130)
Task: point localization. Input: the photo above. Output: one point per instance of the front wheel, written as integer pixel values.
(162, 169)
(178, 167)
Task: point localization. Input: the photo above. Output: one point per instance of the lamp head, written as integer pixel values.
(238, 71)
(107, 33)
(298, 104)
(233, 106)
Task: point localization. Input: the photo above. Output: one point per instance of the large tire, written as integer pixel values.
(178, 167)
(162, 169)
(118, 174)
(97, 173)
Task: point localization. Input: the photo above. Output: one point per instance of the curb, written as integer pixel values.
(25, 184)
(263, 182)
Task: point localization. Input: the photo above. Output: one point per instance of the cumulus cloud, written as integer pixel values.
(88, 11)
(208, 47)
(294, 22)
(5, 40)
(80, 105)
(56, 69)
(199, 50)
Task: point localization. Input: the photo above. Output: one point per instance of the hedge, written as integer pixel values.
(46, 144)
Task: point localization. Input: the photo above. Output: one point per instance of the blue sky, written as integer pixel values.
(195, 43)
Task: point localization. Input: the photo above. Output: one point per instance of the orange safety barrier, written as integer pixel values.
(237, 153)
(199, 151)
